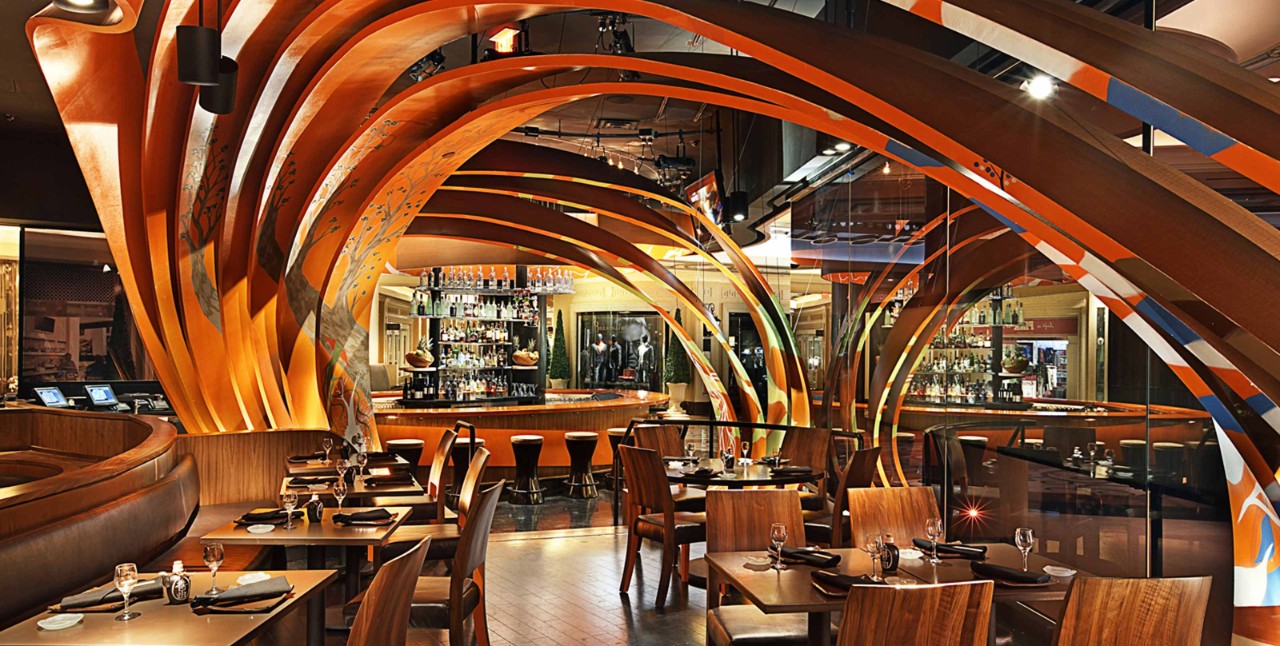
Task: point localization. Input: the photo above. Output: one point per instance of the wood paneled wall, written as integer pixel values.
(246, 466)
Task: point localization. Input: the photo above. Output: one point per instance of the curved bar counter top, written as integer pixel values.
(565, 411)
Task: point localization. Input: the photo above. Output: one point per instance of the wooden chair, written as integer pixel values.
(383, 618)
(951, 614)
(665, 439)
(429, 506)
(858, 473)
(444, 536)
(901, 511)
(740, 521)
(655, 517)
(1169, 612)
(809, 447)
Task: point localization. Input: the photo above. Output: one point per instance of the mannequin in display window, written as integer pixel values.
(644, 360)
(615, 359)
(599, 359)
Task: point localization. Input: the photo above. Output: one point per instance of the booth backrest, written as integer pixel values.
(43, 564)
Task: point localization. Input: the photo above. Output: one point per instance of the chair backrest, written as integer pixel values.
(901, 511)
(739, 521)
(807, 447)
(473, 545)
(1169, 612)
(646, 478)
(383, 617)
(438, 462)
(663, 438)
(475, 475)
(950, 614)
(859, 473)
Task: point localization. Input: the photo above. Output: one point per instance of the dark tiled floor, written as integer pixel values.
(558, 512)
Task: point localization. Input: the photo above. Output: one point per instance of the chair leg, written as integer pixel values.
(458, 627)
(669, 556)
(684, 563)
(633, 549)
(478, 617)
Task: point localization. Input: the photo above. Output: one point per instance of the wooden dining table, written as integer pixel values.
(792, 590)
(319, 467)
(357, 491)
(163, 624)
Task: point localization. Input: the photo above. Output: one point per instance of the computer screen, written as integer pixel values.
(52, 397)
(102, 395)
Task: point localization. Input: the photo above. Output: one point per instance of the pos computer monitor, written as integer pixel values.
(52, 397)
(101, 395)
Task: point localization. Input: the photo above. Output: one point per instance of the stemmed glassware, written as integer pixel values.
(213, 555)
(342, 466)
(778, 536)
(933, 529)
(1025, 539)
(726, 457)
(362, 460)
(126, 580)
(872, 546)
(689, 450)
(340, 491)
(1092, 448)
(327, 443)
(289, 499)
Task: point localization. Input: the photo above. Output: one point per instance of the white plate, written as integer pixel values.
(261, 529)
(674, 466)
(1060, 572)
(910, 553)
(729, 476)
(252, 577)
(60, 622)
(758, 563)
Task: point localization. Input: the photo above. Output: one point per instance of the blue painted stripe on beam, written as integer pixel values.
(1167, 118)
(910, 155)
(1220, 413)
(1260, 403)
(1167, 322)
(1000, 218)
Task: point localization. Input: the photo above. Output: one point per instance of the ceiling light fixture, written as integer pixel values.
(887, 169)
(220, 98)
(1040, 86)
(829, 151)
(199, 51)
(85, 6)
(504, 42)
(843, 147)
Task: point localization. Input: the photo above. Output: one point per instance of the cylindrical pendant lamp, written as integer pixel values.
(85, 6)
(221, 98)
(199, 52)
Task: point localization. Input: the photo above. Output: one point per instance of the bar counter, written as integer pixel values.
(565, 411)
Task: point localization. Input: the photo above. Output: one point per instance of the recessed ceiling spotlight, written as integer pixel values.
(1040, 86)
(829, 151)
(843, 146)
(887, 169)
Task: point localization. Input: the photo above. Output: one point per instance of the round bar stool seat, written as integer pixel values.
(1033, 442)
(1168, 458)
(1133, 453)
(615, 439)
(581, 445)
(527, 490)
(460, 458)
(409, 449)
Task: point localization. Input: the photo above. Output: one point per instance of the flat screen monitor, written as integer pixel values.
(52, 397)
(102, 395)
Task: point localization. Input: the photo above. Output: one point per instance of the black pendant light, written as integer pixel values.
(85, 6)
(221, 98)
(199, 51)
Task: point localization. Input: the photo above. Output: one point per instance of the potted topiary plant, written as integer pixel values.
(559, 370)
(675, 370)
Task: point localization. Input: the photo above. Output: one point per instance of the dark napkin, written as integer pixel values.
(298, 459)
(372, 515)
(390, 479)
(842, 581)
(312, 480)
(773, 460)
(678, 458)
(1002, 573)
(380, 456)
(701, 472)
(954, 549)
(793, 471)
(108, 595)
(269, 589)
(816, 558)
(266, 516)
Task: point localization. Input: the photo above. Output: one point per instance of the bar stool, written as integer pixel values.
(460, 457)
(409, 449)
(615, 439)
(1034, 443)
(906, 444)
(1133, 453)
(527, 490)
(1168, 459)
(581, 445)
(974, 448)
(1207, 473)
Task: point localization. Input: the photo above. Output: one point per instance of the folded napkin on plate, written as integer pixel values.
(391, 479)
(792, 471)
(773, 460)
(269, 589)
(108, 595)
(312, 480)
(701, 471)
(296, 459)
(370, 516)
(842, 581)
(265, 516)
(993, 571)
(953, 549)
(816, 558)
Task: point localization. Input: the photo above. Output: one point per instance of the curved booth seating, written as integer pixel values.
(580, 445)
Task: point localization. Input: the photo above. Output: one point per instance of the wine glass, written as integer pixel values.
(746, 449)
(340, 492)
(327, 443)
(872, 546)
(1025, 539)
(1092, 448)
(726, 457)
(289, 499)
(342, 467)
(689, 450)
(933, 529)
(778, 536)
(362, 460)
(126, 579)
(213, 555)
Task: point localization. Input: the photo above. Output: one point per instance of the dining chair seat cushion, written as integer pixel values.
(431, 601)
(688, 498)
(690, 527)
(819, 530)
(444, 541)
(812, 501)
(423, 507)
(747, 626)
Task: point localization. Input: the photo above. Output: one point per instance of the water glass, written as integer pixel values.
(362, 460)
(1025, 539)
(289, 500)
(327, 443)
(933, 529)
(342, 467)
(340, 492)
(1092, 448)
(872, 546)
(746, 449)
(126, 579)
(778, 536)
(213, 555)
(689, 450)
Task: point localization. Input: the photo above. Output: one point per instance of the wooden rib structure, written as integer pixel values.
(249, 243)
